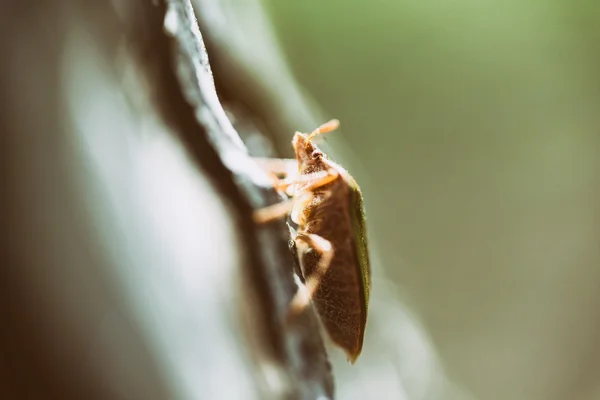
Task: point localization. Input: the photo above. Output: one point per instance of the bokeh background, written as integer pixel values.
(473, 129)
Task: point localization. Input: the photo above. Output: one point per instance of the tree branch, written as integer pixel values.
(137, 272)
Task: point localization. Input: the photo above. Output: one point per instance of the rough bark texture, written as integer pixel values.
(135, 270)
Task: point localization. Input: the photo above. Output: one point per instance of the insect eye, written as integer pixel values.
(316, 154)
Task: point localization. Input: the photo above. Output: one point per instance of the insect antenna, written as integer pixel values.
(326, 127)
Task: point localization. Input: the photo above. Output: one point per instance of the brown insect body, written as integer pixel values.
(336, 214)
(331, 240)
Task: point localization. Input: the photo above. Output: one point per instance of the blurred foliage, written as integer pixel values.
(474, 129)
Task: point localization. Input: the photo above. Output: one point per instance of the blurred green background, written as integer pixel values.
(473, 129)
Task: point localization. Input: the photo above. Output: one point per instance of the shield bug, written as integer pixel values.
(326, 204)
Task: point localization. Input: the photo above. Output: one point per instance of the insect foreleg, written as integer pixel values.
(307, 182)
(291, 185)
(297, 203)
(304, 242)
(285, 167)
(317, 179)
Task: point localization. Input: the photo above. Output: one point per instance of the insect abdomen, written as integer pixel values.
(339, 297)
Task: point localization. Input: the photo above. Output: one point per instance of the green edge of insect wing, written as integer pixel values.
(360, 238)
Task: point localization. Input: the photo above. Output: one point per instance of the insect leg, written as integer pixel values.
(279, 166)
(283, 171)
(307, 182)
(310, 186)
(280, 210)
(311, 282)
(289, 184)
(280, 170)
(317, 179)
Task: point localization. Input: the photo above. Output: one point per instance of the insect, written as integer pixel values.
(327, 206)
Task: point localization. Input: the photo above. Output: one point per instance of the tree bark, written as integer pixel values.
(135, 270)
